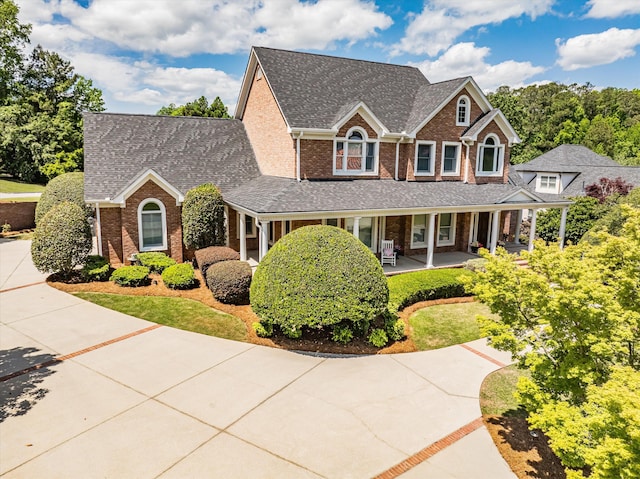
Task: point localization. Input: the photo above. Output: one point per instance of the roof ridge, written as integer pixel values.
(152, 115)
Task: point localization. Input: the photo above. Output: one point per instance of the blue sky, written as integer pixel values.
(144, 54)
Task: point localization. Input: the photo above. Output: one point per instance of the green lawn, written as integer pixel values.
(446, 324)
(14, 186)
(496, 393)
(20, 199)
(175, 312)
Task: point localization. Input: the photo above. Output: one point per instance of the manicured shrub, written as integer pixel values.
(477, 264)
(179, 276)
(263, 330)
(62, 240)
(394, 329)
(229, 281)
(205, 257)
(96, 268)
(66, 187)
(203, 217)
(342, 334)
(131, 276)
(155, 261)
(318, 276)
(378, 338)
(410, 288)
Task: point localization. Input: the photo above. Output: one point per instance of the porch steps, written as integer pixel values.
(523, 263)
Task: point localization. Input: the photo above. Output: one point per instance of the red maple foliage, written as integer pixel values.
(607, 187)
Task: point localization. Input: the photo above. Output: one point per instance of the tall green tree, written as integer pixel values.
(13, 37)
(199, 107)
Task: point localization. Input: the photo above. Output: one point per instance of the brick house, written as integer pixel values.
(370, 147)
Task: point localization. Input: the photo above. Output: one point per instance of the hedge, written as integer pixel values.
(131, 276)
(155, 261)
(96, 268)
(205, 257)
(179, 276)
(410, 288)
(66, 187)
(229, 281)
(203, 217)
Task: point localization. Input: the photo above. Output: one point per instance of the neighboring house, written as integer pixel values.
(370, 147)
(568, 169)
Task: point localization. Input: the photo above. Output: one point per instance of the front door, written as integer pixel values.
(484, 220)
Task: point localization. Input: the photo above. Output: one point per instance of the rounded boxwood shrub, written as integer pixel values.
(205, 257)
(378, 338)
(62, 240)
(96, 268)
(66, 187)
(179, 276)
(203, 217)
(229, 281)
(319, 276)
(155, 261)
(131, 276)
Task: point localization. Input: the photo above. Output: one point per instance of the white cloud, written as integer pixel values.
(465, 59)
(442, 21)
(609, 9)
(589, 50)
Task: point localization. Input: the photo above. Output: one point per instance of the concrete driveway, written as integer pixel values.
(88, 392)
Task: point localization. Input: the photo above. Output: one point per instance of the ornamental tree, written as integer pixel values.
(581, 216)
(203, 217)
(66, 187)
(607, 187)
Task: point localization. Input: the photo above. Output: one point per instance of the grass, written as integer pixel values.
(175, 312)
(446, 324)
(14, 186)
(496, 393)
(21, 199)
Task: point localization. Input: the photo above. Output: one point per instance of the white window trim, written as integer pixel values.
(458, 146)
(374, 230)
(365, 141)
(452, 241)
(415, 245)
(163, 215)
(340, 221)
(467, 112)
(431, 171)
(499, 160)
(545, 189)
(247, 219)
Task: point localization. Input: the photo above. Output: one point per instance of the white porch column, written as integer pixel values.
(356, 227)
(243, 237)
(563, 226)
(495, 226)
(264, 239)
(516, 237)
(532, 229)
(431, 240)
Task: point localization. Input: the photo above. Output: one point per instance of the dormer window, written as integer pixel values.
(355, 154)
(462, 112)
(490, 159)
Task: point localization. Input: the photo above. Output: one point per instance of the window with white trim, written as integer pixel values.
(451, 158)
(463, 111)
(365, 229)
(152, 225)
(425, 158)
(249, 226)
(446, 229)
(332, 222)
(355, 154)
(418, 231)
(490, 157)
(547, 183)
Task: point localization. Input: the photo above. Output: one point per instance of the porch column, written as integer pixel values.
(98, 229)
(495, 225)
(243, 237)
(431, 240)
(516, 236)
(532, 229)
(356, 227)
(563, 226)
(264, 238)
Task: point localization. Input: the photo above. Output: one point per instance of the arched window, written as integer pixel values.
(462, 112)
(355, 155)
(490, 157)
(152, 225)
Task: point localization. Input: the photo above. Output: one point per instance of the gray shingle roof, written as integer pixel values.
(185, 151)
(429, 98)
(313, 89)
(566, 159)
(269, 194)
(592, 174)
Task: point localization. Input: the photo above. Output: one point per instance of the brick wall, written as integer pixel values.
(20, 215)
(111, 231)
(274, 148)
(356, 120)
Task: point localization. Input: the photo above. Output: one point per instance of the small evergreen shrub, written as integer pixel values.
(263, 330)
(342, 334)
(203, 217)
(62, 240)
(229, 281)
(155, 261)
(477, 264)
(66, 187)
(410, 288)
(179, 276)
(131, 276)
(205, 257)
(394, 328)
(96, 268)
(378, 338)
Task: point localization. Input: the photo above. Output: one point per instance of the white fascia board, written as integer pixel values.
(502, 122)
(249, 73)
(368, 116)
(148, 175)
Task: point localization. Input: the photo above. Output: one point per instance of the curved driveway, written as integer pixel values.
(88, 392)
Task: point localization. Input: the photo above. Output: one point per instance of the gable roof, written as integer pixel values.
(481, 123)
(566, 159)
(183, 151)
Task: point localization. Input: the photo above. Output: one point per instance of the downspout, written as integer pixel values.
(395, 177)
(98, 227)
(466, 164)
(298, 156)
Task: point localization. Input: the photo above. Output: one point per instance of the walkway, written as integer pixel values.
(88, 392)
